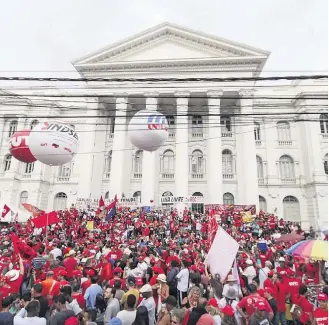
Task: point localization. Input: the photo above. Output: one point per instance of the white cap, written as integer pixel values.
(281, 259)
(145, 288)
(249, 262)
(72, 252)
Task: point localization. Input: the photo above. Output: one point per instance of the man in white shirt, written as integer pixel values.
(249, 271)
(183, 278)
(29, 315)
(263, 273)
(148, 302)
(56, 251)
(128, 315)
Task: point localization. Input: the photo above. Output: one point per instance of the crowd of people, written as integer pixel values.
(150, 268)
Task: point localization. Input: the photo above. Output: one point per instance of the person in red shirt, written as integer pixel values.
(106, 273)
(61, 278)
(70, 264)
(320, 315)
(78, 296)
(282, 268)
(301, 300)
(281, 301)
(293, 284)
(312, 271)
(5, 289)
(117, 276)
(16, 277)
(249, 304)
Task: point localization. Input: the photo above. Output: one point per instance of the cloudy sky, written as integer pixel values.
(39, 35)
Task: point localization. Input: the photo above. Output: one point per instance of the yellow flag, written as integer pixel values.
(90, 225)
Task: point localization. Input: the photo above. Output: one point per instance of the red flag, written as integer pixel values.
(46, 219)
(14, 240)
(33, 209)
(101, 202)
(5, 210)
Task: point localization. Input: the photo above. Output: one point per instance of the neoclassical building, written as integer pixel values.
(230, 142)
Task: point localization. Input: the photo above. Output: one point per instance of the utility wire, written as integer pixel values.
(228, 79)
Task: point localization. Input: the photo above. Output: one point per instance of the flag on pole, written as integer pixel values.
(5, 210)
(112, 209)
(101, 202)
(222, 253)
(212, 227)
(236, 272)
(32, 209)
(46, 219)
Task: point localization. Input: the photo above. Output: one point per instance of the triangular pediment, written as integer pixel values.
(169, 42)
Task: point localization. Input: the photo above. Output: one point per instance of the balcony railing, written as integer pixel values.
(167, 175)
(288, 180)
(258, 142)
(227, 134)
(107, 175)
(26, 175)
(324, 136)
(285, 142)
(137, 175)
(172, 136)
(260, 181)
(63, 179)
(197, 175)
(197, 135)
(228, 176)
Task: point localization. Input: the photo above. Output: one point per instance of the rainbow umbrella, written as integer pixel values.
(313, 249)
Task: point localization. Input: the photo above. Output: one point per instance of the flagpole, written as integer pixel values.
(47, 230)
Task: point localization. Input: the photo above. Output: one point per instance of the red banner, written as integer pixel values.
(222, 208)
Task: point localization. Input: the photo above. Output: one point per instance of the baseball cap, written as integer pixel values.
(281, 259)
(227, 310)
(139, 281)
(270, 273)
(62, 272)
(213, 302)
(145, 288)
(118, 270)
(260, 305)
(322, 297)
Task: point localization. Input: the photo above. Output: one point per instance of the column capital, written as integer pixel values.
(182, 94)
(215, 93)
(151, 94)
(245, 93)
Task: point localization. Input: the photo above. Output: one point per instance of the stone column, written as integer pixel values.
(214, 144)
(246, 152)
(182, 157)
(118, 152)
(149, 159)
(2, 129)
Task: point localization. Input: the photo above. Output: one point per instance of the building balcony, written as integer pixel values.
(261, 181)
(27, 175)
(169, 175)
(288, 180)
(228, 176)
(107, 175)
(197, 176)
(63, 179)
(285, 143)
(227, 134)
(258, 142)
(324, 136)
(172, 136)
(197, 135)
(137, 175)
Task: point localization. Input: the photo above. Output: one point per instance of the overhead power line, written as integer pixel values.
(227, 79)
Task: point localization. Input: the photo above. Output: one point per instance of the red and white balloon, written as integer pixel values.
(19, 146)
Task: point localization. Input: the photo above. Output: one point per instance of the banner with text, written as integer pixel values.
(181, 199)
(92, 203)
(221, 208)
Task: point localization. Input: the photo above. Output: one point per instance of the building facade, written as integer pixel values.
(233, 142)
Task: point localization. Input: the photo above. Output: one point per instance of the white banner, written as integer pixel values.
(181, 199)
(92, 203)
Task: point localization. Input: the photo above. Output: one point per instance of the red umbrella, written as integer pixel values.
(290, 237)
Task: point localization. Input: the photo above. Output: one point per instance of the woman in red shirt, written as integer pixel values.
(320, 315)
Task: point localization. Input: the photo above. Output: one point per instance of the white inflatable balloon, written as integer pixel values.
(53, 143)
(148, 130)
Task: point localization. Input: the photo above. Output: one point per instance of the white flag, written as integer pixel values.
(222, 253)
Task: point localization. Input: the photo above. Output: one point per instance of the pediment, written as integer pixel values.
(169, 42)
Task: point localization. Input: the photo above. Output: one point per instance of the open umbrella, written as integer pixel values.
(312, 249)
(290, 237)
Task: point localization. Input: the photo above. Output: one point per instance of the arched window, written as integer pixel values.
(257, 131)
(65, 171)
(168, 162)
(291, 208)
(29, 167)
(325, 164)
(138, 163)
(60, 201)
(260, 171)
(287, 168)
(324, 123)
(227, 163)
(23, 199)
(107, 195)
(107, 165)
(171, 126)
(7, 162)
(12, 128)
(138, 196)
(228, 198)
(197, 126)
(198, 207)
(33, 124)
(197, 162)
(262, 203)
(283, 131)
